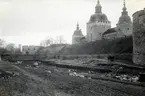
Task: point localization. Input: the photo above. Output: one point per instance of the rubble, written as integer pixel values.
(49, 71)
(127, 78)
(35, 64)
(89, 74)
(28, 66)
(18, 62)
(16, 74)
(76, 74)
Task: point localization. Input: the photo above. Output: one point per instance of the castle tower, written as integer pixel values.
(124, 25)
(139, 37)
(97, 24)
(77, 35)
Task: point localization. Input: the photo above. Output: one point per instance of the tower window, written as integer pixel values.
(128, 28)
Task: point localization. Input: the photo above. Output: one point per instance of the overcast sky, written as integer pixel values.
(30, 21)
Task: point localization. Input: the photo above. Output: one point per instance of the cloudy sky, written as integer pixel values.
(30, 21)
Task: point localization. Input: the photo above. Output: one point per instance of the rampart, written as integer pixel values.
(139, 37)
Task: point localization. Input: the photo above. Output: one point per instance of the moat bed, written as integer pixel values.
(43, 80)
(75, 84)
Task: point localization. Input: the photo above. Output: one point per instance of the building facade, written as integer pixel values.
(30, 50)
(77, 36)
(97, 24)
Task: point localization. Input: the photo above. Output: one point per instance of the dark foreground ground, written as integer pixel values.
(43, 80)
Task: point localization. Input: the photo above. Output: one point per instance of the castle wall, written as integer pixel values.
(139, 37)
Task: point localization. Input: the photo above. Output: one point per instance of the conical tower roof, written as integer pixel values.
(78, 31)
(124, 17)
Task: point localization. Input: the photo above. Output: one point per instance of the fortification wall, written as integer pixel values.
(139, 37)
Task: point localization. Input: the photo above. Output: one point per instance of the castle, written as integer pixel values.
(99, 27)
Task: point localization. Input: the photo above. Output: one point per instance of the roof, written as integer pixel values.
(100, 17)
(124, 18)
(78, 33)
(112, 30)
(54, 49)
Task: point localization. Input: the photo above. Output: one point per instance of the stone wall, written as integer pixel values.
(126, 56)
(139, 37)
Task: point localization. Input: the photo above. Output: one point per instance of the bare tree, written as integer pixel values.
(60, 40)
(11, 47)
(42, 43)
(47, 42)
(2, 43)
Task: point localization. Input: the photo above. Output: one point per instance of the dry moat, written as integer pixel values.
(38, 79)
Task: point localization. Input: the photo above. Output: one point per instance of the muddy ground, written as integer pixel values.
(43, 80)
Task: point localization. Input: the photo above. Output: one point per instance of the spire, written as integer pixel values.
(98, 8)
(124, 9)
(98, 2)
(124, 3)
(78, 26)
